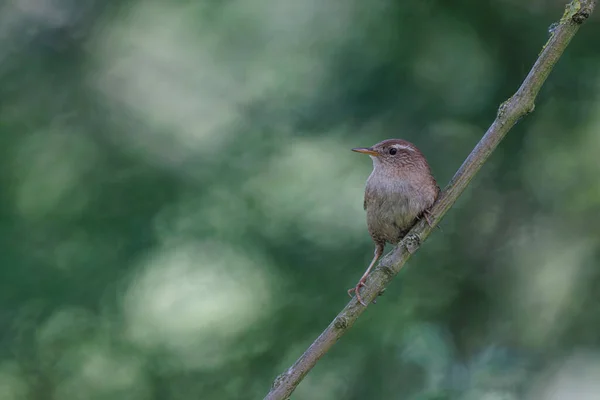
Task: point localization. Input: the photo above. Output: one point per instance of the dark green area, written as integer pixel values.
(181, 215)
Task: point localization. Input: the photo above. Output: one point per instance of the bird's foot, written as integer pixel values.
(427, 215)
(356, 290)
(411, 242)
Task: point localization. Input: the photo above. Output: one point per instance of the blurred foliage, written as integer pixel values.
(180, 214)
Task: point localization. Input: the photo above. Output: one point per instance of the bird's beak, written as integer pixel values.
(366, 150)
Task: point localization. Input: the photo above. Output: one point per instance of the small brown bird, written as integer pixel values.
(399, 190)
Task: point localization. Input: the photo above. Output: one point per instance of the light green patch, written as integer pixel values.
(552, 28)
(570, 10)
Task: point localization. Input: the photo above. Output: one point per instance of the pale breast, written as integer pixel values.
(392, 207)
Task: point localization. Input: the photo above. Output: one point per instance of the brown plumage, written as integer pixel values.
(399, 190)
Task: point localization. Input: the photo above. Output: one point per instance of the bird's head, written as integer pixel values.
(394, 153)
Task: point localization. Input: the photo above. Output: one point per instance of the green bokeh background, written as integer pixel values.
(180, 214)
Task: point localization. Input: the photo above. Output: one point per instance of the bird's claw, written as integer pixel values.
(356, 290)
(426, 215)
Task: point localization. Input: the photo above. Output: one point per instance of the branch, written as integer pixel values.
(509, 113)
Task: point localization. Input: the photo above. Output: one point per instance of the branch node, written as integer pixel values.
(525, 109)
(581, 16)
(340, 322)
(571, 9)
(278, 380)
(411, 242)
(503, 107)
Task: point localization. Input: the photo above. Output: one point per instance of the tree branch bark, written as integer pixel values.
(509, 113)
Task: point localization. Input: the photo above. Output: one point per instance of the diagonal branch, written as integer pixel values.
(509, 113)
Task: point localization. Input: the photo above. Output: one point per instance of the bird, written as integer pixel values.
(400, 190)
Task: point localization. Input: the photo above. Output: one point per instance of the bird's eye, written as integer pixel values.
(393, 151)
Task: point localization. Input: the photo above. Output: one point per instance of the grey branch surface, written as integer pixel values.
(509, 113)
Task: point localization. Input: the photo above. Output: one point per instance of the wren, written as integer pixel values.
(400, 190)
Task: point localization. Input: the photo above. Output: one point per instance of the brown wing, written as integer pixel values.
(368, 198)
